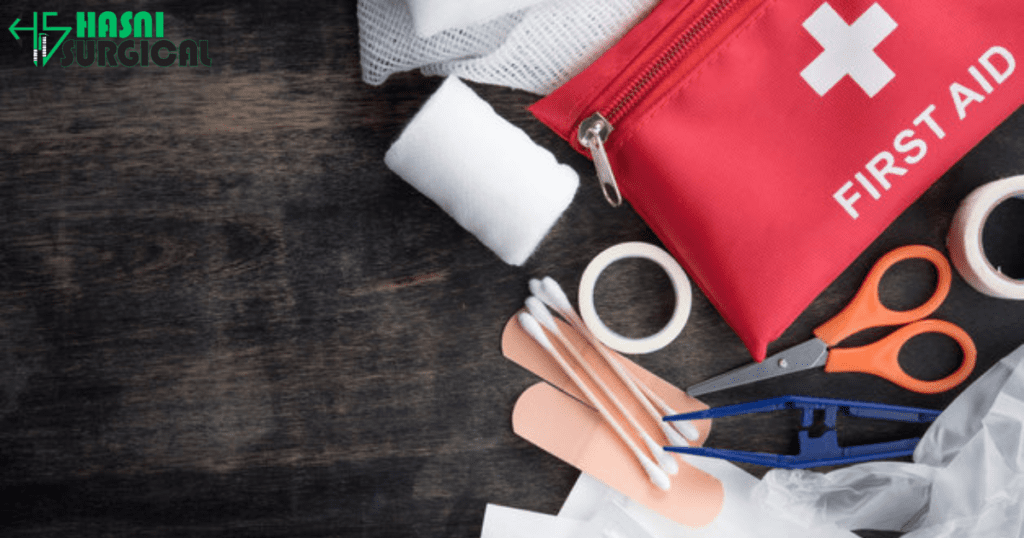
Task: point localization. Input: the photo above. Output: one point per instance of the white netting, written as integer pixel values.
(388, 42)
(536, 49)
(432, 16)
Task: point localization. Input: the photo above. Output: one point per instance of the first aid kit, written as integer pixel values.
(767, 143)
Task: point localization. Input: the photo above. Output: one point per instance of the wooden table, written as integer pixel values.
(221, 314)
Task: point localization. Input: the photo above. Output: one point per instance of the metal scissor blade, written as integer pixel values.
(809, 354)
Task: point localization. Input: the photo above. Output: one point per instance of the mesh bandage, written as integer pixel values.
(432, 16)
(536, 49)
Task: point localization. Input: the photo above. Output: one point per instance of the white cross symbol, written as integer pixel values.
(849, 49)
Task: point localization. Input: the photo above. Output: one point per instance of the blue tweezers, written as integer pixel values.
(814, 451)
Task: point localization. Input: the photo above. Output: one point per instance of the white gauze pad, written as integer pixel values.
(483, 171)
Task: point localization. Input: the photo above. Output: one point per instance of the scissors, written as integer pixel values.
(865, 311)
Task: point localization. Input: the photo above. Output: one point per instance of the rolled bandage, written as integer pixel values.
(432, 16)
(965, 239)
(483, 171)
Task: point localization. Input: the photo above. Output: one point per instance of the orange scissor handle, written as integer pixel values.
(882, 358)
(866, 309)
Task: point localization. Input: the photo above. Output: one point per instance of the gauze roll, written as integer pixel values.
(483, 171)
(432, 16)
(554, 42)
(388, 42)
(534, 49)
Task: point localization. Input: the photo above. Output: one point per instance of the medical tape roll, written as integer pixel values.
(965, 239)
(680, 283)
(483, 171)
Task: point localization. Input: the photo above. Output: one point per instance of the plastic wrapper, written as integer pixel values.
(967, 479)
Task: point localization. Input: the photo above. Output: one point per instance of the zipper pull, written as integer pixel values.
(593, 133)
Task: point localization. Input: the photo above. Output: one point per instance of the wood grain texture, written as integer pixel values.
(221, 314)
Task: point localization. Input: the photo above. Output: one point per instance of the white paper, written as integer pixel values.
(613, 521)
(504, 522)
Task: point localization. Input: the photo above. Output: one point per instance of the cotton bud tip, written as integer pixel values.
(657, 476)
(541, 313)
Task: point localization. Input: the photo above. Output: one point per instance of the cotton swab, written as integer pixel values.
(533, 328)
(684, 427)
(552, 294)
(541, 314)
(555, 292)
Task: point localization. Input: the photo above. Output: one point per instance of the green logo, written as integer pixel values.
(96, 45)
(39, 39)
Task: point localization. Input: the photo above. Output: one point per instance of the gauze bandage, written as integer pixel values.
(536, 49)
(432, 16)
(483, 171)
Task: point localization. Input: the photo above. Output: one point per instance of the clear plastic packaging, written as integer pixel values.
(967, 479)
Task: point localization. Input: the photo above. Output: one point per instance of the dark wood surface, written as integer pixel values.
(221, 314)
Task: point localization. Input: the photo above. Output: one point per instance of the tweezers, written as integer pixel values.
(819, 450)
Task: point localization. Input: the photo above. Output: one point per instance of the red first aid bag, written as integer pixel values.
(768, 142)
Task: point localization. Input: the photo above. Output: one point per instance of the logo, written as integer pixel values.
(40, 39)
(849, 49)
(96, 45)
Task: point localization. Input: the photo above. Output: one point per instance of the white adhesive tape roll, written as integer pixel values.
(680, 283)
(965, 242)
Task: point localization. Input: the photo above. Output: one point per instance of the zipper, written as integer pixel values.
(593, 131)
